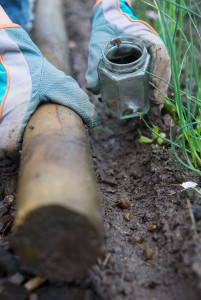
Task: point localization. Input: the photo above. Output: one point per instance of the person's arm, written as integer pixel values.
(27, 79)
(19, 11)
(112, 18)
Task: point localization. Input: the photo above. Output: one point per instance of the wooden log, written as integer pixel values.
(49, 33)
(58, 230)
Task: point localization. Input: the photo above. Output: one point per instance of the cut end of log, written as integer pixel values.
(57, 243)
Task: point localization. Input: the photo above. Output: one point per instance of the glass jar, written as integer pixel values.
(124, 78)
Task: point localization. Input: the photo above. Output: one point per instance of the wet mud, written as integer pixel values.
(152, 226)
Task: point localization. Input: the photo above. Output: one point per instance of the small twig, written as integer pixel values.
(34, 283)
(122, 281)
(3, 174)
(106, 259)
(7, 226)
(196, 236)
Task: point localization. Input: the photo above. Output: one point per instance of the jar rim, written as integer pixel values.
(132, 43)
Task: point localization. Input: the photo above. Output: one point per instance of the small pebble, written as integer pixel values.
(110, 190)
(123, 203)
(72, 45)
(135, 239)
(127, 216)
(17, 278)
(152, 228)
(197, 213)
(149, 253)
(9, 199)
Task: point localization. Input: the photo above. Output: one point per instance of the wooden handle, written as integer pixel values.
(58, 228)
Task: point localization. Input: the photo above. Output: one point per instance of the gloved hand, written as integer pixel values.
(26, 80)
(112, 18)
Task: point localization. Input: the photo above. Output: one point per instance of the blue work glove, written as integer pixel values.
(19, 11)
(28, 79)
(113, 18)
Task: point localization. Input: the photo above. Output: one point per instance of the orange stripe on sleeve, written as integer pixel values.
(135, 21)
(125, 15)
(7, 88)
(97, 3)
(10, 25)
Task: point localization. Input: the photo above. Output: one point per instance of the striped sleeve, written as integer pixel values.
(120, 14)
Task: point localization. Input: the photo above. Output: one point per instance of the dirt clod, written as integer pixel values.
(152, 228)
(149, 176)
(123, 203)
(135, 239)
(149, 252)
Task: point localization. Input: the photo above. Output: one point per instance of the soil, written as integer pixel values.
(152, 226)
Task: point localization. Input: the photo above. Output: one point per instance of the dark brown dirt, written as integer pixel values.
(153, 243)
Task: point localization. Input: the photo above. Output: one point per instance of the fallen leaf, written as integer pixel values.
(188, 185)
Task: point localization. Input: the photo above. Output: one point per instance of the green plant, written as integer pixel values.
(156, 136)
(179, 29)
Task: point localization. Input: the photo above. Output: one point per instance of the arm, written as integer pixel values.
(19, 11)
(28, 79)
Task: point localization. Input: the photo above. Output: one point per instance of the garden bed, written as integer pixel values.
(153, 242)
